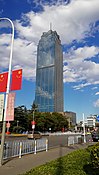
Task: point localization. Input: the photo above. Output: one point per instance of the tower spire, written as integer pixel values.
(50, 26)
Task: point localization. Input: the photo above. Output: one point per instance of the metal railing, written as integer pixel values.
(74, 140)
(19, 148)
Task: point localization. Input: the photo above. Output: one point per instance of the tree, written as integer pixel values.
(55, 121)
(34, 107)
(44, 121)
(20, 118)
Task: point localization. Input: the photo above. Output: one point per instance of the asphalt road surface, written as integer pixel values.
(53, 140)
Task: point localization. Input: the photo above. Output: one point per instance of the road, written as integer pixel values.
(12, 143)
(53, 140)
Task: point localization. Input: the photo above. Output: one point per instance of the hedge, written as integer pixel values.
(78, 162)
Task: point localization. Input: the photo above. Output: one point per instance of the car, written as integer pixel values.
(35, 135)
(95, 136)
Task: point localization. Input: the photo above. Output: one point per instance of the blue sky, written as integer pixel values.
(77, 23)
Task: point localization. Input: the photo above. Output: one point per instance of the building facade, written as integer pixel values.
(49, 73)
(71, 117)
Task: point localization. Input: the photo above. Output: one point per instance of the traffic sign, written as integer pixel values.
(97, 118)
(33, 126)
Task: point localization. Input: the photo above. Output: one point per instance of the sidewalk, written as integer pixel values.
(17, 165)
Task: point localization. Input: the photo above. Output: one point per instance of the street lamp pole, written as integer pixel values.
(7, 91)
(84, 128)
(33, 126)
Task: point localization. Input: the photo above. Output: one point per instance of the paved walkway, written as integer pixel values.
(17, 165)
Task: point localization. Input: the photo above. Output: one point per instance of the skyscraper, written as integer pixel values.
(49, 73)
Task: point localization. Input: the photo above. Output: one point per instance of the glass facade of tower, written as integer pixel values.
(49, 73)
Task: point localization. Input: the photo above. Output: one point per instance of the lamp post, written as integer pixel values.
(33, 124)
(84, 128)
(7, 91)
(34, 107)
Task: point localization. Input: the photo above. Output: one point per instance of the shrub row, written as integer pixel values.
(94, 155)
(79, 162)
(72, 164)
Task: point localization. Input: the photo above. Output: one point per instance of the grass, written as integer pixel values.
(75, 163)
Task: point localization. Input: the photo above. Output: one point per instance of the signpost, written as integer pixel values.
(97, 118)
(33, 124)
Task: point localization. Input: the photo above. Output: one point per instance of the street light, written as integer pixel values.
(34, 107)
(33, 122)
(7, 91)
(84, 128)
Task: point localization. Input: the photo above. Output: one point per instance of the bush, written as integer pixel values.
(95, 156)
(79, 162)
(71, 164)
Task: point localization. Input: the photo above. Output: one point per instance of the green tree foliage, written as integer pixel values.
(44, 121)
(55, 121)
(20, 119)
(95, 156)
(34, 107)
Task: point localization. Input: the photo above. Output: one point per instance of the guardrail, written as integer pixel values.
(74, 140)
(18, 148)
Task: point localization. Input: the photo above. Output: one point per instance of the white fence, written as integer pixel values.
(19, 148)
(74, 140)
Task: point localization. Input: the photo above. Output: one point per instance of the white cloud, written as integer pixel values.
(4, 51)
(72, 21)
(79, 69)
(24, 55)
(96, 103)
(94, 88)
(97, 93)
(42, 3)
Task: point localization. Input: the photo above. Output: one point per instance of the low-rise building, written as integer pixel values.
(71, 117)
(91, 121)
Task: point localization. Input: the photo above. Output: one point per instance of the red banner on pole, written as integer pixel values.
(3, 81)
(10, 107)
(16, 82)
(8, 124)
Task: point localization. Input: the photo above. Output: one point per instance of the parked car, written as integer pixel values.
(35, 135)
(95, 136)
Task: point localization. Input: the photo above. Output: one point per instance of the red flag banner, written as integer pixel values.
(10, 107)
(16, 82)
(3, 81)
